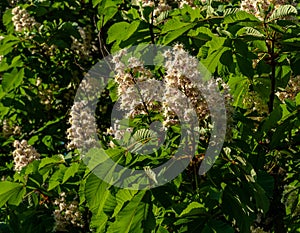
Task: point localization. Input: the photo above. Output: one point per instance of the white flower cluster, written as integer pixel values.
(88, 88)
(183, 94)
(181, 3)
(83, 126)
(260, 7)
(22, 20)
(67, 214)
(137, 94)
(257, 230)
(161, 7)
(182, 74)
(164, 5)
(23, 154)
(292, 89)
(8, 129)
(85, 45)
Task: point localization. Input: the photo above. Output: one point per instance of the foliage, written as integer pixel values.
(254, 184)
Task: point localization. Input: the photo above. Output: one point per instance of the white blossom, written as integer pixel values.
(83, 127)
(85, 45)
(23, 154)
(67, 214)
(22, 20)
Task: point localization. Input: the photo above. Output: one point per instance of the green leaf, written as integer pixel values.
(17, 197)
(57, 177)
(217, 226)
(235, 204)
(297, 99)
(201, 33)
(282, 11)
(96, 193)
(99, 222)
(172, 25)
(213, 59)
(121, 31)
(245, 65)
(292, 41)
(266, 181)
(96, 2)
(51, 161)
(130, 219)
(193, 208)
(109, 14)
(172, 35)
(272, 119)
(262, 201)
(71, 171)
(162, 230)
(12, 80)
(239, 17)
(12, 192)
(239, 86)
(250, 31)
(122, 197)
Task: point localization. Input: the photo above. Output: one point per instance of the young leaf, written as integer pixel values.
(282, 11)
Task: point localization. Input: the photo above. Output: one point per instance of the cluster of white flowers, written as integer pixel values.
(14, 2)
(255, 7)
(22, 20)
(83, 126)
(137, 94)
(85, 45)
(182, 96)
(8, 129)
(257, 230)
(161, 7)
(292, 89)
(181, 3)
(67, 214)
(88, 88)
(182, 74)
(260, 7)
(23, 154)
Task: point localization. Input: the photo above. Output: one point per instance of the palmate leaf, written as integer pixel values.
(11, 192)
(282, 11)
(134, 217)
(122, 197)
(96, 193)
